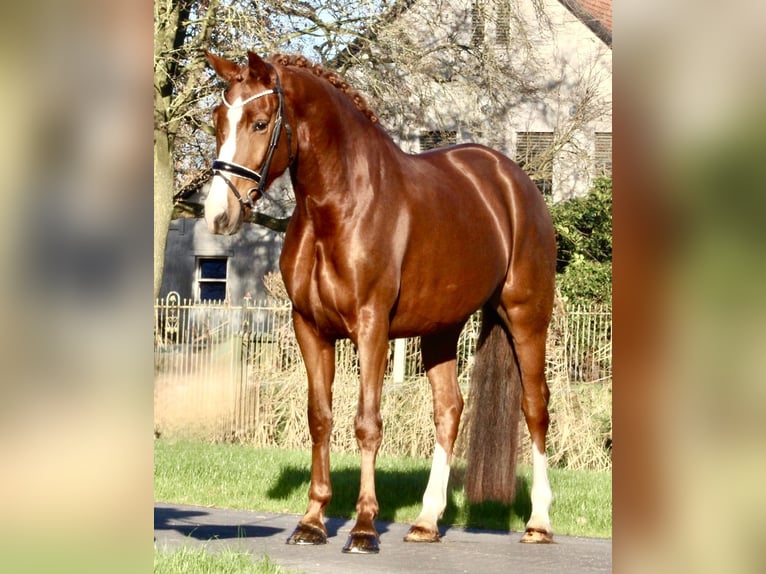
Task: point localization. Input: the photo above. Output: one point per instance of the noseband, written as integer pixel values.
(224, 168)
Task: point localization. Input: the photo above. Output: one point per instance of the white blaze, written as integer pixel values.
(218, 198)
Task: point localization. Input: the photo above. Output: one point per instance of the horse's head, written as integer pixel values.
(253, 140)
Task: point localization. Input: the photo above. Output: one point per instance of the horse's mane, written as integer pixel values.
(333, 78)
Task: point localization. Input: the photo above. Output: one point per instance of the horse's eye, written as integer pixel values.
(260, 125)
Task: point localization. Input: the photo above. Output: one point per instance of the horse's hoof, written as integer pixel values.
(537, 536)
(362, 544)
(307, 534)
(420, 534)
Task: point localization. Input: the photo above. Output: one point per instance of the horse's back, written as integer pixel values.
(472, 213)
(470, 193)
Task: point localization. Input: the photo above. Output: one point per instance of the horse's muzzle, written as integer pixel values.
(221, 225)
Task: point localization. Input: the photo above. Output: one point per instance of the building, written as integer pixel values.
(532, 78)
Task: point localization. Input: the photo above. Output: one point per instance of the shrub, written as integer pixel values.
(586, 280)
(584, 236)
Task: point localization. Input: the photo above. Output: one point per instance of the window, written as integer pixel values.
(211, 278)
(533, 154)
(602, 154)
(477, 22)
(503, 30)
(433, 139)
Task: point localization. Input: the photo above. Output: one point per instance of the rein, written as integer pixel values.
(223, 169)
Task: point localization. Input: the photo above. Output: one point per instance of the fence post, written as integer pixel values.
(400, 355)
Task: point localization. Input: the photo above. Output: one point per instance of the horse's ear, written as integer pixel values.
(224, 68)
(259, 69)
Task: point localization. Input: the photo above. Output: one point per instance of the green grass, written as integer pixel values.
(271, 480)
(199, 561)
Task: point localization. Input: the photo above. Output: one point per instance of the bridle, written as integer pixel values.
(224, 168)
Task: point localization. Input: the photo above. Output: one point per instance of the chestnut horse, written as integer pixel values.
(384, 244)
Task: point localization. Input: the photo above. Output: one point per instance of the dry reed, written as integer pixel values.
(260, 398)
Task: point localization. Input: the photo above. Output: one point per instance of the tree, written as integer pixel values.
(475, 68)
(185, 91)
(584, 229)
(181, 28)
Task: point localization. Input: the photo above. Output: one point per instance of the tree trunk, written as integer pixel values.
(168, 33)
(163, 202)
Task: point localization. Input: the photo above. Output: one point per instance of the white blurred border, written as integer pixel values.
(75, 248)
(690, 197)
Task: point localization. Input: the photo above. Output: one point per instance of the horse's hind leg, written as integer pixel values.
(529, 330)
(439, 358)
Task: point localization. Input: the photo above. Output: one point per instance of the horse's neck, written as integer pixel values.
(337, 169)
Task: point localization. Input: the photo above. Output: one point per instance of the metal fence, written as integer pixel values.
(580, 338)
(215, 361)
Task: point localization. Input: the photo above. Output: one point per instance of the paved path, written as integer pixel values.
(461, 550)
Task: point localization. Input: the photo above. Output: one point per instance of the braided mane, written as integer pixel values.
(332, 77)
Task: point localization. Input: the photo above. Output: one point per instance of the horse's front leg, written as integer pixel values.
(372, 342)
(319, 357)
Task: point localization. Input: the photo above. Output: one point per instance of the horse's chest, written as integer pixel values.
(318, 291)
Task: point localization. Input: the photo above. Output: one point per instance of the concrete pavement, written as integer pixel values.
(460, 551)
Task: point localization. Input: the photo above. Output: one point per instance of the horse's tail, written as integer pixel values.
(494, 406)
